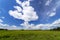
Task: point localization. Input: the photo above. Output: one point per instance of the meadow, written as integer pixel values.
(29, 35)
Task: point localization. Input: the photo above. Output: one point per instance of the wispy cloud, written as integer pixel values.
(48, 2)
(52, 12)
(1, 20)
(27, 13)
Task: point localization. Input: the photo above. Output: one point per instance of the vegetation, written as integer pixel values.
(29, 35)
(3, 29)
(56, 29)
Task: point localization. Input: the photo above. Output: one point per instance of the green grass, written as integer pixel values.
(29, 35)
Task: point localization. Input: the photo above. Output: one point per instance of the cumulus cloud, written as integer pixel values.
(28, 26)
(54, 24)
(18, 1)
(26, 13)
(9, 27)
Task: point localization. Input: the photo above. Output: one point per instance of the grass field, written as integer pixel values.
(29, 35)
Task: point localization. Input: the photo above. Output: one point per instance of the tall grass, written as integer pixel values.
(29, 35)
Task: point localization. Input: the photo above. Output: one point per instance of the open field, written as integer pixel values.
(29, 35)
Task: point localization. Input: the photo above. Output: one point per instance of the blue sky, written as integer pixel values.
(29, 14)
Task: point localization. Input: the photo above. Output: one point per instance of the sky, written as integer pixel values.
(29, 14)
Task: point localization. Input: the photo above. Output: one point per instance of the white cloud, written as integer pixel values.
(57, 22)
(28, 26)
(26, 14)
(1, 20)
(18, 1)
(9, 27)
(52, 12)
(48, 2)
(54, 24)
(19, 9)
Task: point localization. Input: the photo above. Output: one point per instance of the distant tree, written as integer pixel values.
(3, 29)
(22, 29)
(57, 29)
